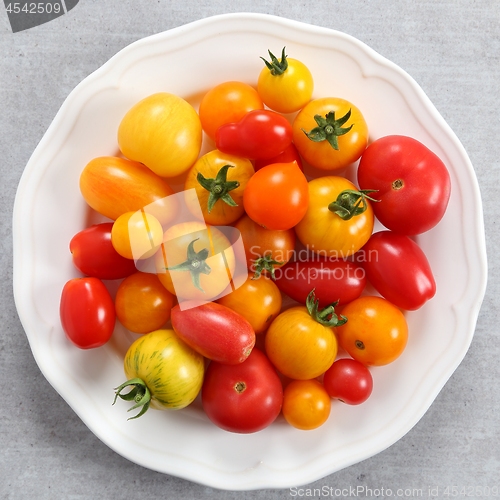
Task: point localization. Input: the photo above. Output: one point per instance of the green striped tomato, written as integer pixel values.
(163, 372)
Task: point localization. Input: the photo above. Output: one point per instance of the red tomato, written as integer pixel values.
(332, 280)
(412, 183)
(87, 312)
(290, 154)
(214, 331)
(277, 196)
(242, 398)
(349, 381)
(398, 269)
(260, 134)
(94, 255)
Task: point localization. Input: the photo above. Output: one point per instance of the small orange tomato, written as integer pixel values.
(276, 197)
(257, 300)
(330, 133)
(306, 404)
(142, 303)
(218, 180)
(376, 331)
(225, 103)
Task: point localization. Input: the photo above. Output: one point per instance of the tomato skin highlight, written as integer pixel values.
(260, 134)
(412, 183)
(113, 186)
(332, 280)
(215, 331)
(349, 381)
(243, 398)
(87, 312)
(94, 255)
(398, 269)
(277, 196)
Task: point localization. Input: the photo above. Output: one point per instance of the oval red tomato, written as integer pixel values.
(214, 331)
(87, 312)
(332, 280)
(412, 183)
(94, 255)
(287, 156)
(398, 269)
(242, 398)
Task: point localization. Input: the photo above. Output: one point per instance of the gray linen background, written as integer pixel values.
(451, 48)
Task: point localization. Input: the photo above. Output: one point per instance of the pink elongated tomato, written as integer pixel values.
(214, 331)
(398, 269)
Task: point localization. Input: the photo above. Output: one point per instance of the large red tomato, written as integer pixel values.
(242, 398)
(412, 183)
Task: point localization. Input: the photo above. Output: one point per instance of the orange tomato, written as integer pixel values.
(113, 186)
(257, 300)
(142, 303)
(376, 331)
(219, 191)
(195, 261)
(306, 404)
(225, 103)
(324, 231)
(320, 153)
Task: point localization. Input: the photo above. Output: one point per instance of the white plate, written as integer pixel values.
(49, 210)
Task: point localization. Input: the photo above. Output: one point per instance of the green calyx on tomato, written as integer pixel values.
(277, 67)
(329, 128)
(195, 264)
(325, 316)
(265, 263)
(219, 187)
(140, 394)
(351, 202)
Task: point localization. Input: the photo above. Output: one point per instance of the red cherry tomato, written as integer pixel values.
(94, 255)
(332, 280)
(214, 331)
(348, 380)
(412, 183)
(277, 196)
(398, 269)
(87, 312)
(290, 154)
(260, 134)
(242, 398)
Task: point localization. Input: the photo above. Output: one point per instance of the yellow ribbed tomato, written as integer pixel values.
(163, 372)
(163, 131)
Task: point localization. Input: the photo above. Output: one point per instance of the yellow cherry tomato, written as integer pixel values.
(163, 131)
(163, 372)
(330, 133)
(257, 300)
(323, 230)
(219, 181)
(136, 235)
(306, 404)
(285, 85)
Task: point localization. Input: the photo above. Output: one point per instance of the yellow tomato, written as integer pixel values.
(330, 133)
(323, 231)
(195, 261)
(285, 85)
(163, 372)
(257, 300)
(136, 235)
(163, 131)
(218, 180)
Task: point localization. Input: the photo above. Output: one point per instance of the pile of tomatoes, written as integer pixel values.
(311, 298)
